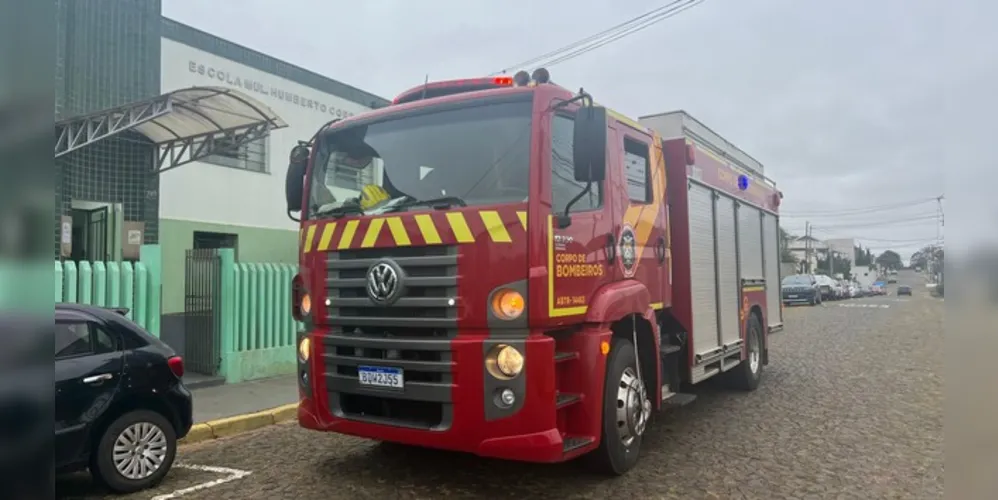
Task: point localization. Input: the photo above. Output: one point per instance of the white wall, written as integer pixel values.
(211, 193)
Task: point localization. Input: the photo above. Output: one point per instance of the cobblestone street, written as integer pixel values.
(849, 407)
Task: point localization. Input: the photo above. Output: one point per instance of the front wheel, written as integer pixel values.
(748, 373)
(626, 412)
(135, 452)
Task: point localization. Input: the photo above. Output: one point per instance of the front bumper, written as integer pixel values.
(469, 421)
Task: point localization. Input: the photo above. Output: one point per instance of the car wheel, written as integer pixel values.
(626, 411)
(748, 373)
(135, 452)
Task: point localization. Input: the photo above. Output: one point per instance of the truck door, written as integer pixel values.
(577, 254)
(641, 233)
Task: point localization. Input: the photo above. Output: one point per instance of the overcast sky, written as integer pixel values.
(848, 104)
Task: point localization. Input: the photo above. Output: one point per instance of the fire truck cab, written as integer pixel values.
(503, 267)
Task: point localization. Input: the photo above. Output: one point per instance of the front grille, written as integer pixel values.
(424, 310)
(413, 334)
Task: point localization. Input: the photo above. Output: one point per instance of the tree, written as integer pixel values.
(785, 254)
(862, 256)
(841, 266)
(889, 260)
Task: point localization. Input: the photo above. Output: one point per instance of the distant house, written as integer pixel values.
(799, 248)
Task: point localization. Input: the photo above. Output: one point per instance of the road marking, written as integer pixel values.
(230, 475)
(872, 306)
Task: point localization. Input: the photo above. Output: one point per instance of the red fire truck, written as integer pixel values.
(524, 273)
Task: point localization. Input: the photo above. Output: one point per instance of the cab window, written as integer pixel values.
(564, 187)
(74, 339)
(637, 171)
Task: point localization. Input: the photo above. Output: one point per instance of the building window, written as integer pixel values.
(250, 156)
(207, 239)
(349, 176)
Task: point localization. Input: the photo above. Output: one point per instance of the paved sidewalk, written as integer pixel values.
(229, 400)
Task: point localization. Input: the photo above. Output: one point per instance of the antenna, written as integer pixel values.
(426, 83)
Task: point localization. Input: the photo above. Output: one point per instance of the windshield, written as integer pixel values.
(797, 279)
(477, 155)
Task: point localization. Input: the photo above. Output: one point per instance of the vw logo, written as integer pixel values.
(384, 282)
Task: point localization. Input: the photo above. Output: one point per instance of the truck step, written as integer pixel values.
(572, 443)
(564, 399)
(678, 399)
(665, 350)
(565, 356)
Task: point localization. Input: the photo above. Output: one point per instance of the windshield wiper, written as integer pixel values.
(348, 207)
(442, 203)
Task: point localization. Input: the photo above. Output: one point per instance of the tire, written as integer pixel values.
(748, 373)
(614, 457)
(141, 426)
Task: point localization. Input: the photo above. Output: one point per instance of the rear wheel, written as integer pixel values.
(135, 452)
(626, 412)
(748, 373)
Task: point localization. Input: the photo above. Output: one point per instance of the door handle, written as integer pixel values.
(660, 250)
(611, 248)
(96, 379)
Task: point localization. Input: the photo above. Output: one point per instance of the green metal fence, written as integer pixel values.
(134, 286)
(258, 331)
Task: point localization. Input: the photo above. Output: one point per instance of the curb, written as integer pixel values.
(231, 426)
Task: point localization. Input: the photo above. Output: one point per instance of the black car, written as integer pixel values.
(120, 404)
(800, 289)
(904, 290)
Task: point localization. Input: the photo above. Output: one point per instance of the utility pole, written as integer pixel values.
(807, 247)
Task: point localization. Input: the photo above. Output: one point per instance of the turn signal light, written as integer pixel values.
(507, 304)
(306, 304)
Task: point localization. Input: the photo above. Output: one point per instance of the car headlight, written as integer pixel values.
(504, 362)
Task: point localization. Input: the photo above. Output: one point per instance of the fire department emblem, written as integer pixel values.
(628, 250)
(384, 282)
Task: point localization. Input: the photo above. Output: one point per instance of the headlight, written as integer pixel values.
(304, 349)
(504, 362)
(507, 304)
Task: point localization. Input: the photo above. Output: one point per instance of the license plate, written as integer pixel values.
(381, 376)
(791, 296)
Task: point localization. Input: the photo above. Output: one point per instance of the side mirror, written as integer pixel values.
(589, 144)
(294, 182)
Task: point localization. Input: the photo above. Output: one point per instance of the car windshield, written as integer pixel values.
(797, 279)
(474, 155)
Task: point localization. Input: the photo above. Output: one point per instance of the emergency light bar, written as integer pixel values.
(449, 87)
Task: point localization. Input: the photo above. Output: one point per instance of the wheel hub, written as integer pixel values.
(139, 451)
(754, 354)
(633, 407)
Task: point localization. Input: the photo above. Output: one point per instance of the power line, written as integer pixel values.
(917, 218)
(631, 31)
(890, 240)
(606, 36)
(576, 44)
(858, 211)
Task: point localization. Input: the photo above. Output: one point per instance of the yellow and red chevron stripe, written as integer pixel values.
(500, 226)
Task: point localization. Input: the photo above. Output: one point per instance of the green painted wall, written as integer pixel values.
(254, 245)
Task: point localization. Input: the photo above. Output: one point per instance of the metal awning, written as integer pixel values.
(185, 125)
